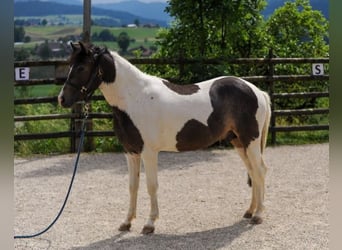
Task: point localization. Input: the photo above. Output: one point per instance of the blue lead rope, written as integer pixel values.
(70, 185)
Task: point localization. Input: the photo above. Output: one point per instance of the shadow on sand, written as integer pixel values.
(210, 239)
(59, 165)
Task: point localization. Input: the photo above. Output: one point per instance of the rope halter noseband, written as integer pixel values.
(88, 89)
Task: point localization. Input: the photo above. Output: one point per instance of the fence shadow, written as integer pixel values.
(210, 239)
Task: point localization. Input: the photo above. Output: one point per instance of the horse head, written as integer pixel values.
(89, 67)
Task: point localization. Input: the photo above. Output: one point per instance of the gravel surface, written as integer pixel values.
(202, 197)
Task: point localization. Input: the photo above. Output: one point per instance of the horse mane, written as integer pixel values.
(125, 63)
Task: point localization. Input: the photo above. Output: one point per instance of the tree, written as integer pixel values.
(27, 39)
(123, 41)
(213, 28)
(95, 37)
(236, 28)
(106, 35)
(44, 22)
(296, 30)
(21, 54)
(137, 22)
(44, 50)
(19, 34)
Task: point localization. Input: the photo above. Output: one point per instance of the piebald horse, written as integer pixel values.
(152, 114)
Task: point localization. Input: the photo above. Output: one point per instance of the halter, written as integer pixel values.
(94, 81)
(89, 88)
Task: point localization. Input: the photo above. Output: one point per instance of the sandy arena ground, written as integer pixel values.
(202, 197)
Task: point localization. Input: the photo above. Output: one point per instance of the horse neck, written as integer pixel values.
(129, 82)
(125, 71)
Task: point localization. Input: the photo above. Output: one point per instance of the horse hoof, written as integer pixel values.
(147, 229)
(256, 220)
(247, 215)
(125, 227)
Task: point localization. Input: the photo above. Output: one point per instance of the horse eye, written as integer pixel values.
(80, 68)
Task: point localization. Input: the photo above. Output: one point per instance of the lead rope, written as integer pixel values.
(83, 128)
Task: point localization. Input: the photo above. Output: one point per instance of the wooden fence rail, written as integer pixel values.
(75, 116)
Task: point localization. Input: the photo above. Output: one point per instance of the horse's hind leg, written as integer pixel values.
(257, 174)
(244, 157)
(133, 162)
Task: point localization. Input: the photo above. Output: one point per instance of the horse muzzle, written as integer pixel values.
(63, 101)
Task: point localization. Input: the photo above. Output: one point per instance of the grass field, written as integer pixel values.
(142, 36)
(42, 33)
(56, 19)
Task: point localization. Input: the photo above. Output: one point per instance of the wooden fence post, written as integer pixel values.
(271, 93)
(89, 142)
(76, 123)
(86, 20)
(75, 127)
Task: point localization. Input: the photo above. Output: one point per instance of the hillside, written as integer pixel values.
(72, 2)
(156, 9)
(46, 8)
(119, 13)
(146, 10)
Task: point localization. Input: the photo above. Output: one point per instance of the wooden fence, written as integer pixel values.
(60, 72)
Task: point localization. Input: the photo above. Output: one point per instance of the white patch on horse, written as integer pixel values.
(59, 98)
(159, 113)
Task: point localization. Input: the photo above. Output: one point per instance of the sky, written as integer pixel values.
(116, 1)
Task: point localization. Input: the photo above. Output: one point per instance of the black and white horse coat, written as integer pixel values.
(153, 115)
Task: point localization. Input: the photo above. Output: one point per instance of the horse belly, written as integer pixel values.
(195, 135)
(185, 133)
(192, 136)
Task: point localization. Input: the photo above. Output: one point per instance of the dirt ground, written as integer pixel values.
(202, 197)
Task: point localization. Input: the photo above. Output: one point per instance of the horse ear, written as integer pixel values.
(83, 48)
(107, 66)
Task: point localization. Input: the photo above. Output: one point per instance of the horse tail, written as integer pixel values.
(265, 127)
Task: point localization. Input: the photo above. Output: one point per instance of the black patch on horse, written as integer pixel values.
(194, 135)
(234, 108)
(127, 132)
(188, 89)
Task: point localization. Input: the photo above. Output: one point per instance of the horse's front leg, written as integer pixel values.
(133, 162)
(150, 159)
